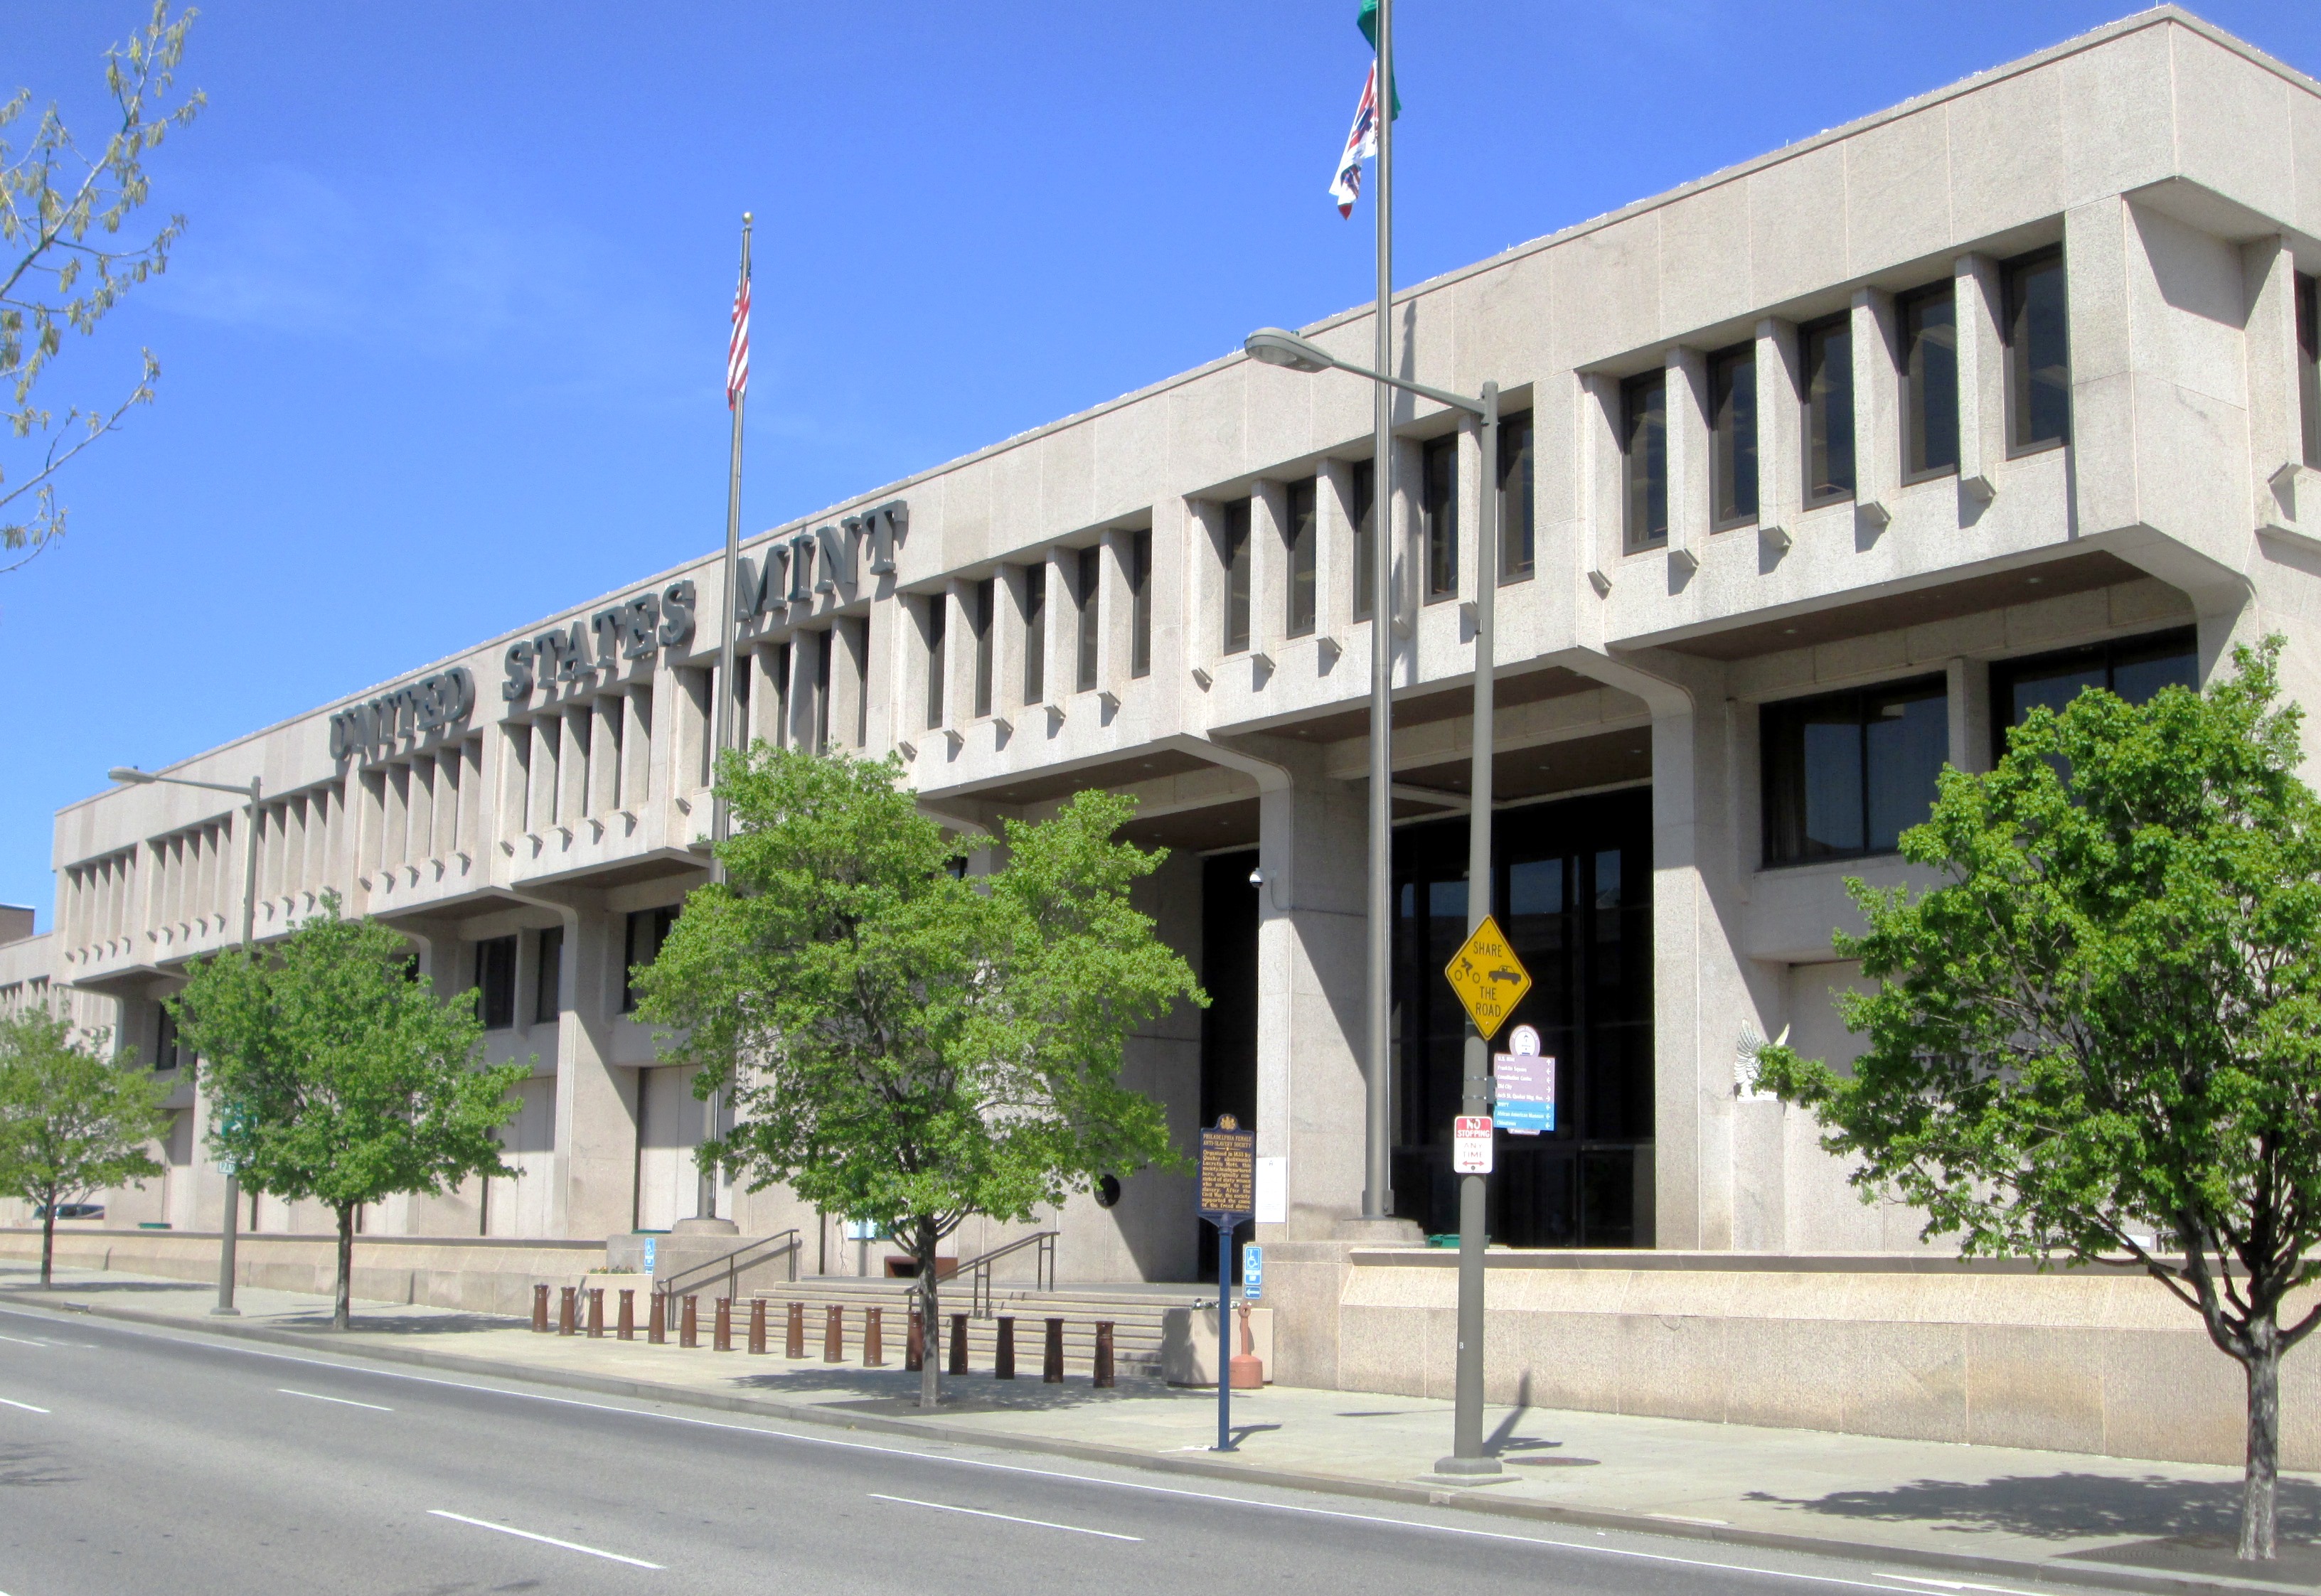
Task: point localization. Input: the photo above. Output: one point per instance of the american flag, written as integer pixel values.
(737, 353)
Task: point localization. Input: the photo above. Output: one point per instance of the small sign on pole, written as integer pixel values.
(649, 1240)
(1487, 976)
(1524, 1084)
(1253, 1272)
(1470, 1144)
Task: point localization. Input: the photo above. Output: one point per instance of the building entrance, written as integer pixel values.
(1572, 888)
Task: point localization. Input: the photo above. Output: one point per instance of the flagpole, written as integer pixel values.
(1378, 1183)
(725, 695)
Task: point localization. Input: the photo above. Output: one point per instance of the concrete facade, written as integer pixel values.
(553, 778)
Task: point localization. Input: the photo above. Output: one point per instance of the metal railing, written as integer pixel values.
(976, 1271)
(747, 1256)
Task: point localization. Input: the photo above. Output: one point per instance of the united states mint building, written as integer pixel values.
(1819, 472)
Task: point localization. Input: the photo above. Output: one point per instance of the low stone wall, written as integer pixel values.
(477, 1273)
(1921, 1348)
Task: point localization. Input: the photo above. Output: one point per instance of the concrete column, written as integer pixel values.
(2275, 413)
(1976, 294)
(1968, 685)
(1406, 527)
(1781, 416)
(547, 749)
(1877, 404)
(606, 724)
(572, 765)
(1336, 540)
(1687, 451)
(592, 1172)
(1470, 510)
(1269, 587)
(636, 747)
(847, 640)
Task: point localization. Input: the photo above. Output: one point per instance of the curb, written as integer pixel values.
(1467, 1499)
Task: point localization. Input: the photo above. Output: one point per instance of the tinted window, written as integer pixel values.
(2038, 356)
(1929, 326)
(2309, 365)
(1035, 633)
(547, 992)
(1236, 558)
(1439, 508)
(937, 605)
(496, 981)
(648, 929)
(1140, 603)
(1365, 490)
(1298, 538)
(1644, 456)
(1516, 552)
(2136, 668)
(1847, 773)
(1091, 588)
(1827, 351)
(986, 597)
(1732, 436)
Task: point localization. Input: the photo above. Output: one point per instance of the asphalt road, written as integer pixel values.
(136, 1460)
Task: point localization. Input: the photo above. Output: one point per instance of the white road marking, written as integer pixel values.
(1010, 1468)
(548, 1540)
(26, 1406)
(19, 1342)
(1919, 1579)
(314, 1396)
(945, 1506)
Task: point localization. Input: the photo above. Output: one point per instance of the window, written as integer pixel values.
(1236, 558)
(781, 696)
(1035, 633)
(936, 604)
(986, 596)
(548, 980)
(648, 929)
(2038, 353)
(1363, 487)
(1140, 603)
(1827, 353)
(1846, 774)
(1516, 553)
(2134, 667)
(1929, 323)
(169, 1052)
(1732, 436)
(2309, 365)
(1644, 456)
(1438, 514)
(1091, 617)
(496, 981)
(1299, 534)
(824, 642)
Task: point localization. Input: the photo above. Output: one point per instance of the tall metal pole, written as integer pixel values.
(1467, 1455)
(1378, 1118)
(226, 1232)
(705, 1204)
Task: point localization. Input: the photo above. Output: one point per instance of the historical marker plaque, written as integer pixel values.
(1228, 1172)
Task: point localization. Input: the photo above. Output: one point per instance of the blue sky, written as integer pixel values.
(442, 347)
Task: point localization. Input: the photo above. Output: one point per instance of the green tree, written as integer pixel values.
(62, 264)
(2100, 1038)
(70, 1121)
(901, 1044)
(334, 1073)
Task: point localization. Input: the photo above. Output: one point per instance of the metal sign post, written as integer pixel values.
(1228, 1198)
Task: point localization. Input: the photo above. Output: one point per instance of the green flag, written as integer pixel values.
(1367, 20)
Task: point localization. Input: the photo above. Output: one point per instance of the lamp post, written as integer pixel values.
(252, 795)
(1275, 347)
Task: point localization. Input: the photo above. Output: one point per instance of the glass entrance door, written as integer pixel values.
(1572, 888)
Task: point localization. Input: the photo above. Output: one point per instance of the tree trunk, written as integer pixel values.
(930, 1318)
(48, 1238)
(2259, 1485)
(339, 1311)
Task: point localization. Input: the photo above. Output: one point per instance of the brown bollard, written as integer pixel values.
(1051, 1356)
(540, 1308)
(1104, 1355)
(627, 1328)
(794, 1331)
(688, 1329)
(959, 1343)
(723, 1341)
(914, 1345)
(758, 1325)
(657, 1320)
(596, 1313)
(833, 1335)
(874, 1352)
(566, 1313)
(1003, 1350)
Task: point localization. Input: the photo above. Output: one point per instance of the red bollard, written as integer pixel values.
(540, 1308)
(833, 1335)
(657, 1320)
(688, 1331)
(959, 1343)
(724, 1332)
(915, 1344)
(794, 1332)
(628, 1326)
(595, 1313)
(1051, 1356)
(1003, 1351)
(758, 1325)
(874, 1352)
(1104, 1355)
(567, 1314)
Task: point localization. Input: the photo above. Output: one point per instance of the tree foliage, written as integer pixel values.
(2100, 1039)
(901, 1044)
(334, 1073)
(61, 213)
(71, 1122)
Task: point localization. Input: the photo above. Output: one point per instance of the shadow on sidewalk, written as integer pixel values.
(897, 1391)
(29, 1285)
(388, 1322)
(2068, 1506)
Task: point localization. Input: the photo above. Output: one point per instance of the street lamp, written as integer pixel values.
(131, 775)
(1275, 346)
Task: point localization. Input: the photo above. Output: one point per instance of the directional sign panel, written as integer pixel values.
(1487, 977)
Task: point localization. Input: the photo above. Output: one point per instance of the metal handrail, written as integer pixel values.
(731, 1265)
(977, 1270)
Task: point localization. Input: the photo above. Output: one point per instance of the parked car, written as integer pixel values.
(72, 1210)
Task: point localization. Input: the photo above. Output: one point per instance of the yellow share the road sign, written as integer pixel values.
(1487, 977)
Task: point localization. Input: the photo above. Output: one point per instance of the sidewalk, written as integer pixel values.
(2062, 1517)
